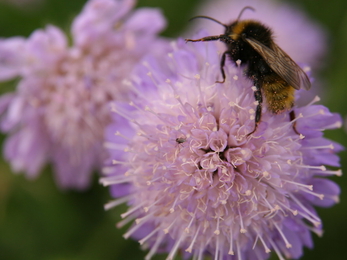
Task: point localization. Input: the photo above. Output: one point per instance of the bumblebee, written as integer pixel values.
(274, 74)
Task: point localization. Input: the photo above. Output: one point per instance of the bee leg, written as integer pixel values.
(206, 39)
(258, 97)
(291, 118)
(222, 64)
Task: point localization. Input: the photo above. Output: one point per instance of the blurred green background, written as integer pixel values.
(40, 222)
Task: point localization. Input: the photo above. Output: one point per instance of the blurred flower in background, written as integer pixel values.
(60, 108)
(196, 183)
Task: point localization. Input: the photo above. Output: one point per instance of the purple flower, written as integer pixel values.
(304, 40)
(60, 107)
(195, 182)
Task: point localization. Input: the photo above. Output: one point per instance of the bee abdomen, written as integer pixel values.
(278, 93)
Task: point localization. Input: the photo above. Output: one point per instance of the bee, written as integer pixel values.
(180, 140)
(274, 74)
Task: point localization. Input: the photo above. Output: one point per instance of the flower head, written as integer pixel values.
(59, 110)
(195, 182)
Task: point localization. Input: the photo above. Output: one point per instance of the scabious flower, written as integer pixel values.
(59, 109)
(302, 38)
(196, 183)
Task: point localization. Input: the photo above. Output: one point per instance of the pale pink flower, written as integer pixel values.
(59, 110)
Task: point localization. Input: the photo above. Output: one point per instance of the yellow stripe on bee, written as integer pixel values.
(238, 29)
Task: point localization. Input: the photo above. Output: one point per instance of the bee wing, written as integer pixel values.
(282, 64)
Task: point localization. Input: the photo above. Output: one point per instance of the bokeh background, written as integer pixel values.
(40, 222)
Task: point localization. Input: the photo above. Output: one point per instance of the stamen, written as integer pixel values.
(131, 103)
(217, 249)
(297, 117)
(146, 209)
(150, 75)
(294, 212)
(255, 242)
(132, 230)
(288, 124)
(115, 162)
(107, 181)
(336, 173)
(114, 146)
(175, 247)
(322, 167)
(145, 218)
(125, 221)
(117, 202)
(335, 198)
(238, 249)
(330, 146)
(217, 231)
(172, 209)
(233, 104)
(319, 195)
(123, 114)
(117, 133)
(267, 249)
(190, 248)
(166, 230)
(288, 245)
(149, 183)
(155, 247)
(231, 249)
(279, 255)
(201, 251)
(337, 124)
(315, 99)
(311, 217)
(319, 232)
(309, 187)
(107, 170)
(190, 223)
(143, 240)
(242, 230)
(319, 113)
(132, 210)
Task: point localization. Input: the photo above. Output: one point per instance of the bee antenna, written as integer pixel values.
(244, 9)
(209, 18)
